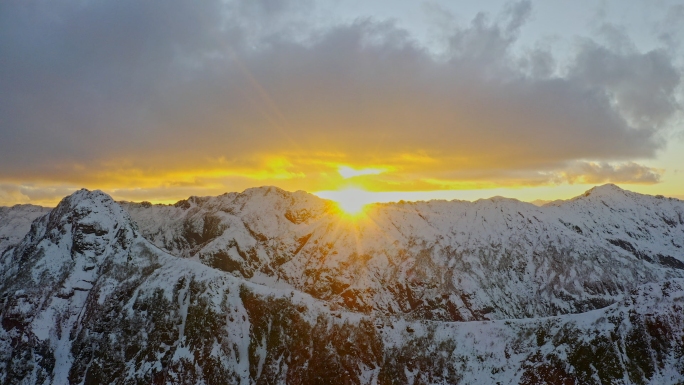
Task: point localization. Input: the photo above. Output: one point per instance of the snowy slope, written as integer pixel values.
(639, 340)
(651, 228)
(490, 259)
(84, 299)
(15, 222)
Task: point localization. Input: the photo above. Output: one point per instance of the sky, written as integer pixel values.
(386, 100)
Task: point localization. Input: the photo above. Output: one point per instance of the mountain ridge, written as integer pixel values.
(86, 299)
(301, 239)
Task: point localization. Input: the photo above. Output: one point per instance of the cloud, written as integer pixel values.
(11, 194)
(670, 30)
(598, 173)
(127, 93)
(45, 194)
(640, 85)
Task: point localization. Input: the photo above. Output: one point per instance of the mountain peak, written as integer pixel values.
(499, 199)
(96, 206)
(86, 195)
(91, 222)
(264, 190)
(606, 189)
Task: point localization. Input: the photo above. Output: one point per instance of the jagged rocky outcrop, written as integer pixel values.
(490, 259)
(86, 299)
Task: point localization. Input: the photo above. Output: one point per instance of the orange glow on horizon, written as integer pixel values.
(332, 176)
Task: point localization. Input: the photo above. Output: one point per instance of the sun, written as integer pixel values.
(351, 201)
(351, 206)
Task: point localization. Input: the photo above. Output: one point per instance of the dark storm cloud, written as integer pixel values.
(76, 75)
(96, 88)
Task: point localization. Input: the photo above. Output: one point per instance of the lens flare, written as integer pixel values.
(351, 207)
(351, 201)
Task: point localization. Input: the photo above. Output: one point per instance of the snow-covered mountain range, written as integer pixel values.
(491, 259)
(268, 286)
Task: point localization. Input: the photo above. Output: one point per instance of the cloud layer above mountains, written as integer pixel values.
(174, 95)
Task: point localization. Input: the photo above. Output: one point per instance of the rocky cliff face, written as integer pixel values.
(85, 298)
